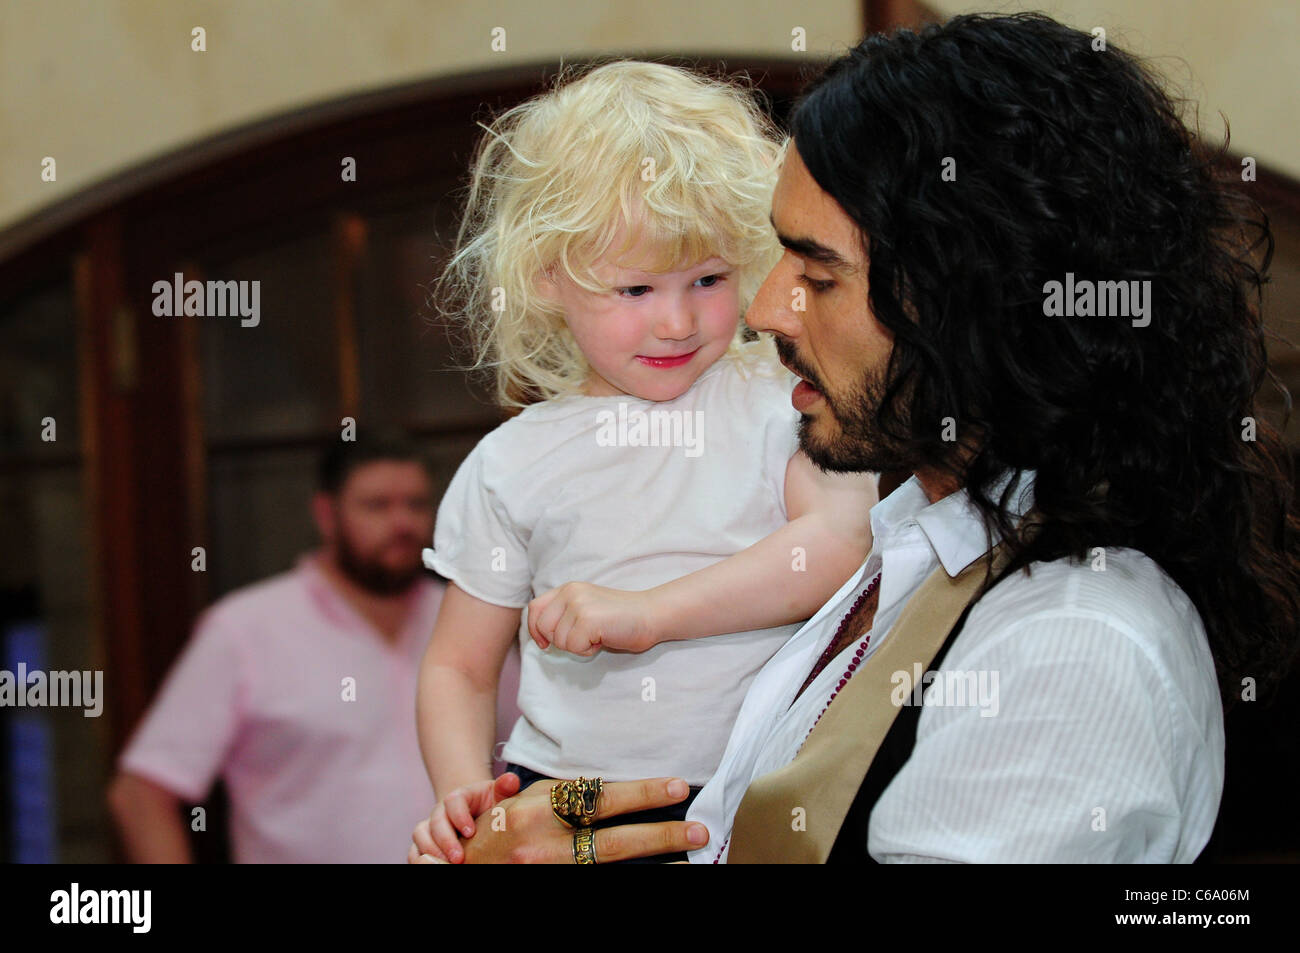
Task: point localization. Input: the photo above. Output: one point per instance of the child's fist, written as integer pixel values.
(581, 618)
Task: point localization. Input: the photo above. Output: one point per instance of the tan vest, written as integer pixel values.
(793, 815)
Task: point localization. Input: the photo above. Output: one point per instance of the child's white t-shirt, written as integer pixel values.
(625, 493)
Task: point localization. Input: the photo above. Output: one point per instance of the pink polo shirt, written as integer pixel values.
(308, 714)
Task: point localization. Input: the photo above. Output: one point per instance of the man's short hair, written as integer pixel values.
(340, 457)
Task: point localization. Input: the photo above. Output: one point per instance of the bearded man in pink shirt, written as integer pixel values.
(299, 691)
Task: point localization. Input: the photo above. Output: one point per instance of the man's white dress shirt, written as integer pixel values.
(1091, 729)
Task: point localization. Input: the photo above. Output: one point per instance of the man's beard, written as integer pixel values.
(860, 446)
(371, 575)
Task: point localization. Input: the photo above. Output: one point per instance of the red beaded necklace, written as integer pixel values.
(826, 656)
(830, 653)
(830, 649)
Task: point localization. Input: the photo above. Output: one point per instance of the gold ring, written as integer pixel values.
(584, 846)
(574, 803)
(588, 795)
(563, 795)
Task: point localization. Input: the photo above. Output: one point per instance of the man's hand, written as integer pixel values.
(529, 832)
(581, 618)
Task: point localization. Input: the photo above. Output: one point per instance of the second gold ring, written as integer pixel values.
(576, 802)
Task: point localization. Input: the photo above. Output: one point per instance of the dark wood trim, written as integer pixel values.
(110, 471)
(349, 239)
(28, 461)
(194, 457)
(881, 16)
(139, 410)
(89, 389)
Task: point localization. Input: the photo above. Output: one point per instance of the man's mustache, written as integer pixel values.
(791, 360)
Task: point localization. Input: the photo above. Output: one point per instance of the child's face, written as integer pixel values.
(656, 332)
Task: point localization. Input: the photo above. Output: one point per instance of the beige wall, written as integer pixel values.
(102, 85)
(1238, 57)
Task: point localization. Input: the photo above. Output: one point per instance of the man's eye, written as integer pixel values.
(711, 281)
(635, 291)
(815, 285)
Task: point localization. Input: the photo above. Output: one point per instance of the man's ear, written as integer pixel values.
(324, 514)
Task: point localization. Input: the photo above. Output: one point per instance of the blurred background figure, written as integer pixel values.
(298, 690)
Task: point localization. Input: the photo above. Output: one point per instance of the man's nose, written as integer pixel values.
(773, 307)
(420, 519)
(409, 520)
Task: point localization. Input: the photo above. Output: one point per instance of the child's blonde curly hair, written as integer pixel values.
(680, 161)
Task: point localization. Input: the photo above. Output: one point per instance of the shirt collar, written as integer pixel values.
(326, 598)
(954, 526)
(332, 604)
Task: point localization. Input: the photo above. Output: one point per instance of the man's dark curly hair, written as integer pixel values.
(1069, 159)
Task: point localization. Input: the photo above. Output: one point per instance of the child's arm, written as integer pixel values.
(456, 696)
(783, 578)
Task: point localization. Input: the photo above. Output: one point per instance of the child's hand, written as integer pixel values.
(581, 618)
(437, 836)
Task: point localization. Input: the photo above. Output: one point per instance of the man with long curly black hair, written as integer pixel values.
(943, 193)
(1013, 272)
